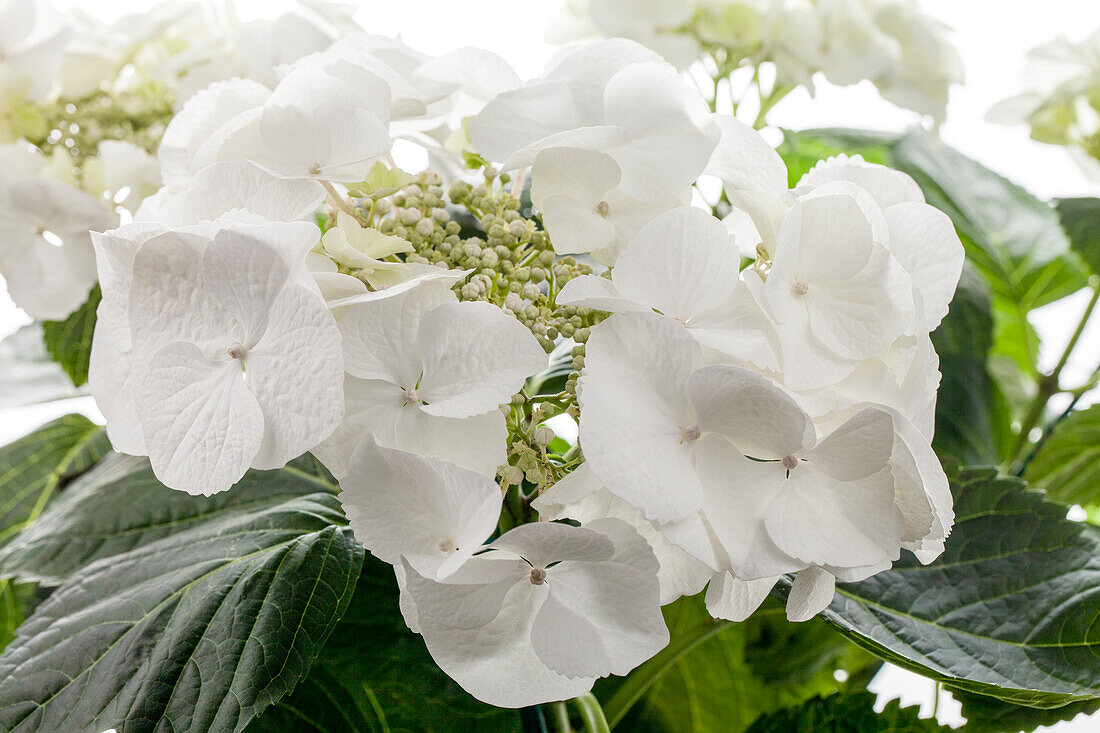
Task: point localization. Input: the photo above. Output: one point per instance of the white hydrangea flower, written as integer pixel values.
(316, 125)
(46, 253)
(582, 496)
(545, 610)
(427, 374)
(684, 264)
(214, 352)
(758, 492)
(611, 96)
(582, 209)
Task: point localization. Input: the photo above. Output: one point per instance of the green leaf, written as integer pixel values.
(966, 421)
(1010, 610)
(376, 675)
(1067, 464)
(176, 612)
(847, 713)
(715, 676)
(1081, 221)
(69, 342)
(989, 715)
(30, 375)
(802, 151)
(33, 468)
(16, 602)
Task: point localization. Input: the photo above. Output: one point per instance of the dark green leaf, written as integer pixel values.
(376, 675)
(176, 612)
(69, 342)
(1081, 220)
(847, 713)
(990, 715)
(35, 466)
(16, 602)
(966, 420)
(1067, 464)
(30, 375)
(1010, 610)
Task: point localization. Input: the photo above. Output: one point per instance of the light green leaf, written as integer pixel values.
(376, 675)
(69, 342)
(1011, 610)
(33, 468)
(847, 713)
(175, 612)
(1081, 221)
(1067, 464)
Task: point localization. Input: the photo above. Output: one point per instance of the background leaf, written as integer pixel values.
(1081, 221)
(847, 713)
(989, 715)
(176, 612)
(736, 673)
(33, 468)
(69, 342)
(376, 675)
(1067, 464)
(1010, 610)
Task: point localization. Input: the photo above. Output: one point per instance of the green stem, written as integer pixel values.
(644, 677)
(774, 97)
(559, 714)
(1048, 387)
(591, 713)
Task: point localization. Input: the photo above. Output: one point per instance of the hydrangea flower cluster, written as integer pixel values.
(1060, 99)
(901, 50)
(83, 105)
(291, 290)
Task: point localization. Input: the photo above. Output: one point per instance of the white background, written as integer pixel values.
(992, 36)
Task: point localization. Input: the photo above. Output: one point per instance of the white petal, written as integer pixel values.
(820, 520)
(471, 596)
(750, 410)
(924, 241)
(475, 357)
(682, 263)
(858, 448)
(543, 543)
(888, 186)
(667, 149)
(811, 593)
(735, 600)
(381, 335)
(520, 117)
(634, 410)
(296, 372)
(480, 73)
(399, 504)
(745, 161)
(602, 617)
(736, 495)
(203, 121)
(582, 496)
(496, 663)
(599, 293)
(202, 426)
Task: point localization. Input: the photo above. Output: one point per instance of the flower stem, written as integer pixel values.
(591, 713)
(559, 713)
(337, 201)
(1048, 387)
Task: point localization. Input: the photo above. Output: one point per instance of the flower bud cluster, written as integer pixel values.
(486, 229)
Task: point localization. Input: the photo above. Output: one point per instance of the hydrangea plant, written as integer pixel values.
(614, 453)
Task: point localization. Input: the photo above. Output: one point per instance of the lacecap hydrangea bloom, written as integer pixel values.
(290, 290)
